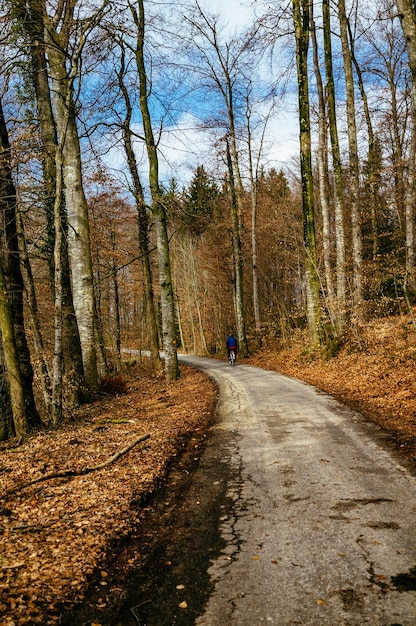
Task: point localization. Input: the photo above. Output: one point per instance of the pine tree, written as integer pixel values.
(200, 201)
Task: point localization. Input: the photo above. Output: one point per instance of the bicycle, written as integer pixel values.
(232, 357)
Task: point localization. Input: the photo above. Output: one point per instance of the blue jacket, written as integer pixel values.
(231, 342)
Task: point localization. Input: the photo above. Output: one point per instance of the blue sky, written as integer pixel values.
(184, 145)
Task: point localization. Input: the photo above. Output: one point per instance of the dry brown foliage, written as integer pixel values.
(55, 534)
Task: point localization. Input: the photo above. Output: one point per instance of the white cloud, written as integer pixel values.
(283, 136)
(236, 14)
(182, 148)
(187, 145)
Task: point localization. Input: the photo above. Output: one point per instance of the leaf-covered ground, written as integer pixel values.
(55, 535)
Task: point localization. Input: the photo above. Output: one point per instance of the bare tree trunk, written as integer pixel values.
(256, 303)
(6, 416)
(32, 17)
(407, 15)
(341, 279)
(12, 275)
(32, 303)
(410, 201)
(191, 314)
(323, 174)
(76, 204)
(371, 148)
(159, 210)
(11, 357)
(354, 166)
(196, 297)
(117, 320)
(237, 214)
(201, 327)
(254, 173)
(143, 220)
(301, 25)
(238, 260)
(80, 252)
(181, 335)
(57, 384)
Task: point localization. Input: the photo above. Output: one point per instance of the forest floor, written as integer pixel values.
(57, 534)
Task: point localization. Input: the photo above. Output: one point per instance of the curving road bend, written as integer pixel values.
(322, 527)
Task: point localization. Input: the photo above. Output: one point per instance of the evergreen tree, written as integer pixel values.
(200, 201)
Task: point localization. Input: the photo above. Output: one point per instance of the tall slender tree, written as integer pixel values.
(354, 173)
(407, 15)
(301, 22)
(142, 213)
(372, 147)
(323, 174)
(254, 172)
(31, 19)
(237, 254)
(16, 351)
(64, 61)
(169, 333)
(341, 277)
(222, 65)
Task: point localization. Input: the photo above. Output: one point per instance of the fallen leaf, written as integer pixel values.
(321, 602)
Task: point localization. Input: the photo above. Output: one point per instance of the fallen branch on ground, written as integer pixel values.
(82, 472)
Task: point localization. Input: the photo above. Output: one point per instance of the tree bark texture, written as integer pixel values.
(323, 176)
(407, 15)
(76, 204)
(301, 24)
(341, 279)
(17, 356)
(11, 358)
(169, 333)
(353, 166)
(143, 221)
(32, 16)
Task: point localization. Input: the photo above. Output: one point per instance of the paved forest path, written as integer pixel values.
(322, 523)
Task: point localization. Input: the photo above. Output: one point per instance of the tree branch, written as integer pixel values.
(82, 472)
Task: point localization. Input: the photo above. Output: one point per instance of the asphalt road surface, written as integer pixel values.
(322, 523)
(299, 512)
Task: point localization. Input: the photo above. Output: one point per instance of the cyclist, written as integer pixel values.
(231, 344)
